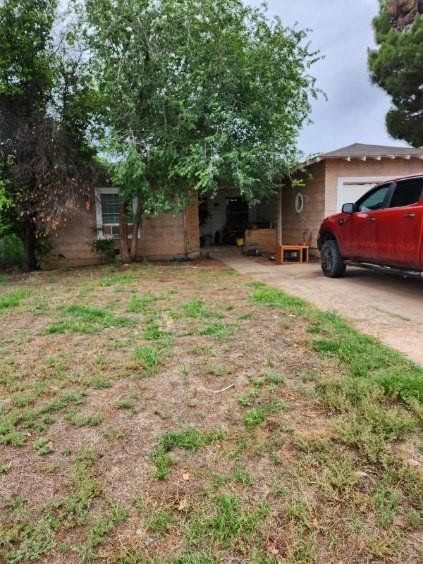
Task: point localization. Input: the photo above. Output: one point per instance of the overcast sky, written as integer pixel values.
(342, 31)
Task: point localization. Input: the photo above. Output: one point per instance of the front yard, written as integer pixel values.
(186, 415)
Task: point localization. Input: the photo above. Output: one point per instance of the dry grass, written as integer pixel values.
(115, 446)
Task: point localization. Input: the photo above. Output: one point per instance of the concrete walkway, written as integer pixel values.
(384, 306)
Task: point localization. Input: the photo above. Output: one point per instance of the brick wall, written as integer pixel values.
(295, 224)
(162, 238)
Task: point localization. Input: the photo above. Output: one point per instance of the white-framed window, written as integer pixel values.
(107, 206)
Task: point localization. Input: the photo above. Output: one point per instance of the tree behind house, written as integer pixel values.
(196, 95)
(397, 66)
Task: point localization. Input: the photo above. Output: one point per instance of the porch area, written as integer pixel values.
(227, 220)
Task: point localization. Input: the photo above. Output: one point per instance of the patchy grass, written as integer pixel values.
(271, 432)
(85, 319)
(13, 299)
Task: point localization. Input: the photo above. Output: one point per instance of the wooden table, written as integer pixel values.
(292, 254)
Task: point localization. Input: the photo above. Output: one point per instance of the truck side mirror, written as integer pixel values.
(348, 208)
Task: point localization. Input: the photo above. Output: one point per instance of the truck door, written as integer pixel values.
(359, 230)
(399, 228)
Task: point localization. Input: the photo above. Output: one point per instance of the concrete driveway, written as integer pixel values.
(384, 306)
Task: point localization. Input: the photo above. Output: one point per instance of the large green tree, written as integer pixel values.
(397, 66)
(45, 109)
(196, 94)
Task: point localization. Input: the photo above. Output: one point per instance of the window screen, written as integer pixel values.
(110, 204)
(407, 193)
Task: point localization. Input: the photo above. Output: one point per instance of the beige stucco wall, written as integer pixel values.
(339, 168)
(295, 224)
(162, 238)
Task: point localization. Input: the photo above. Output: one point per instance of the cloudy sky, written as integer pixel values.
(342, 31)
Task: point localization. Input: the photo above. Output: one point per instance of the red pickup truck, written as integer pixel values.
(383, 230)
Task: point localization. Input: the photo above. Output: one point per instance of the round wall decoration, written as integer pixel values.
(299, 202)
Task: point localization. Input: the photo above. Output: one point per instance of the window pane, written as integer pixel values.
(407, 193)
(110, 209)
(376, 200)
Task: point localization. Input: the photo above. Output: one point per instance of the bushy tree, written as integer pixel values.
(195, 95)
(45, 162)
(397, 66)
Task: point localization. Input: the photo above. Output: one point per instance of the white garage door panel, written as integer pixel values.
(352, 192)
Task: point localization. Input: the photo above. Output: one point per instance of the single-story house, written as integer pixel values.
(328, 181)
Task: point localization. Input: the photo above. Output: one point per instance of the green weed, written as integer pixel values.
(150, 357)
(190, 439)
(43, 446)
(98, 533)
(231, 523)
(127, 402)
(217, 329)
(139, 303)
(254, 417)
(118, 279)
(80, 420)
(160, 522)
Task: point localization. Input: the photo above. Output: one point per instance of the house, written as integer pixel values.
(335, 178)
(162, 238)
(328, 181)
(216, 220)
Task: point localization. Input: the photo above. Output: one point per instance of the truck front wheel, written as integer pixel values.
(333, 265)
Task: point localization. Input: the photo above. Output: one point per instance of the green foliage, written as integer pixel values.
(105, 248)
(11, 249)
(46, 105)
(396, 67)
(196, 93)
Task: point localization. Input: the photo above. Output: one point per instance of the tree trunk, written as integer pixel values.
(30, 259)
(123, 235)
(137, 226)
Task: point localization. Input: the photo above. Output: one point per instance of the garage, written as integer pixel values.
(329, 180)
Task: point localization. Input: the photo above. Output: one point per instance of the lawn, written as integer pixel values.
(186, 415)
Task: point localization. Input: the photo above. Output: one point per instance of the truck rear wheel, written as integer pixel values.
(333, 265)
